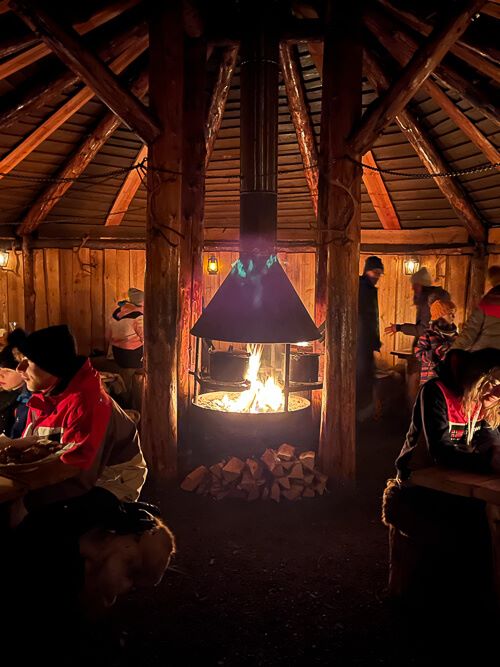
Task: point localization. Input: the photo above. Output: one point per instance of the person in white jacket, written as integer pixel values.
(126, 330)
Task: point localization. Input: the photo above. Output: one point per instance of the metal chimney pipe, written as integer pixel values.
(259, 137)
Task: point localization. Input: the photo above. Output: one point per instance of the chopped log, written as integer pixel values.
(275, 492)
(309, 479)
(479, 96)
(339, 212)
(290, 68)
(66, 43)
(308, 459)
(29, 286)
(64, 112)
(386, 107)
(296, 472)
(233, 469)
(287, 465)
(270, 459)
(216, 470)
(23, 100)
(101, 17)
(484, 59)
(292, 494)
(254, 467)
(429, 155)
(78, 161)
(193, 199)
(219, 98)
(284, 482)
(194, 479)
(159, 419)
(286, 452)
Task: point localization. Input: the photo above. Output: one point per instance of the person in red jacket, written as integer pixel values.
(69, 405)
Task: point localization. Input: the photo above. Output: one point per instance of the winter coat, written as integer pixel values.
(482, 329)
(423, 303)
(8, 404)
(368, 317)
(126, 327)
(431, 349)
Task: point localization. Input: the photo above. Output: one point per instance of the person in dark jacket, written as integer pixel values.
(456, 416)
(368, 334)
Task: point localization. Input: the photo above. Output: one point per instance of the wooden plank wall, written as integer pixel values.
(81, 289)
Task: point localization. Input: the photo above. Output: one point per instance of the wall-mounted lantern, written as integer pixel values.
(411, 266)
(213, 265)
(4, 258)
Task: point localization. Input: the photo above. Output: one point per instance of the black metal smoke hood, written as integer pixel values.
(256, 303)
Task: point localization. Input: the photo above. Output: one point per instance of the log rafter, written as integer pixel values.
(423, 62)
(127, 192)
(76, 164)
(68, 46)
(61, 115)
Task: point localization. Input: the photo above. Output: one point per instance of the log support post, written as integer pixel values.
(159, 414)
(339, 214)
(193, 195)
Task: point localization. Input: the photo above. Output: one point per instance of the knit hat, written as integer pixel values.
(7, 358)
(136, 296)
(442, 309)
(422, 277)
(494, 275)
(372, 263)
(52, 349)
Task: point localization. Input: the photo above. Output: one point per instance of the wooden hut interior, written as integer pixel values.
(154, 145)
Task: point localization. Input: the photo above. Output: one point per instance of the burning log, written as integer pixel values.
(279, 474)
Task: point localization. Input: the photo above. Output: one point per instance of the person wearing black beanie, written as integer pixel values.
(50, 356)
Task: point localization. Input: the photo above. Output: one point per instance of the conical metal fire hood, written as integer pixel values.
(256, 303)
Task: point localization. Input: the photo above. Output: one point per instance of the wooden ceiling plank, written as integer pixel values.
(423, 62)
(429, 155)
(68, 46)
(61, 115)
(290, 68)
(29, 57)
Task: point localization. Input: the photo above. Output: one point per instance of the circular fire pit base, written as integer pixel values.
(215, 434)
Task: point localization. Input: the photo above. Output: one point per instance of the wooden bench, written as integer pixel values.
(484, 487)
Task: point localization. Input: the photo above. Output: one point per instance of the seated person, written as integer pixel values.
(126, 330)
(69, 405)
(456, 416)
(13, 392)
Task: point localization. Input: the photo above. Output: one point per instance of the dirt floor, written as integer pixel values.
(291, 584)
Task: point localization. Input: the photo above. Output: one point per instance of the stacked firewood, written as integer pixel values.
(277, 474)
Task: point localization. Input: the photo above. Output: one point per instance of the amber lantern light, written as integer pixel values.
(411, 266)
(4, 258)
(213, 265)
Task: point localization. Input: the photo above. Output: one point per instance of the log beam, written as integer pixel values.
(389, 39)
(339, 213)
(219, 98)
(78, 161)
(29, 285)
(290, 68)
(159, 414)
(478, 95)
(193, 198)
(377, 191)
(484, 60)
(61, 115)
(424, 61)
(15, 106)
(37, 52)
(127, 192)
(67, 45)
(429, 155)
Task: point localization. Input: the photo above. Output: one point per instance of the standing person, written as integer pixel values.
(424, 292)
(70, 405)
(368, 335)
(482, 329)
(435, 342)
(126, 330)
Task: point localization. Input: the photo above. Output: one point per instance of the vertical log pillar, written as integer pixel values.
(193, 193)
(29, 285)
(477, 279)
(339, 212)
(159, 414)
